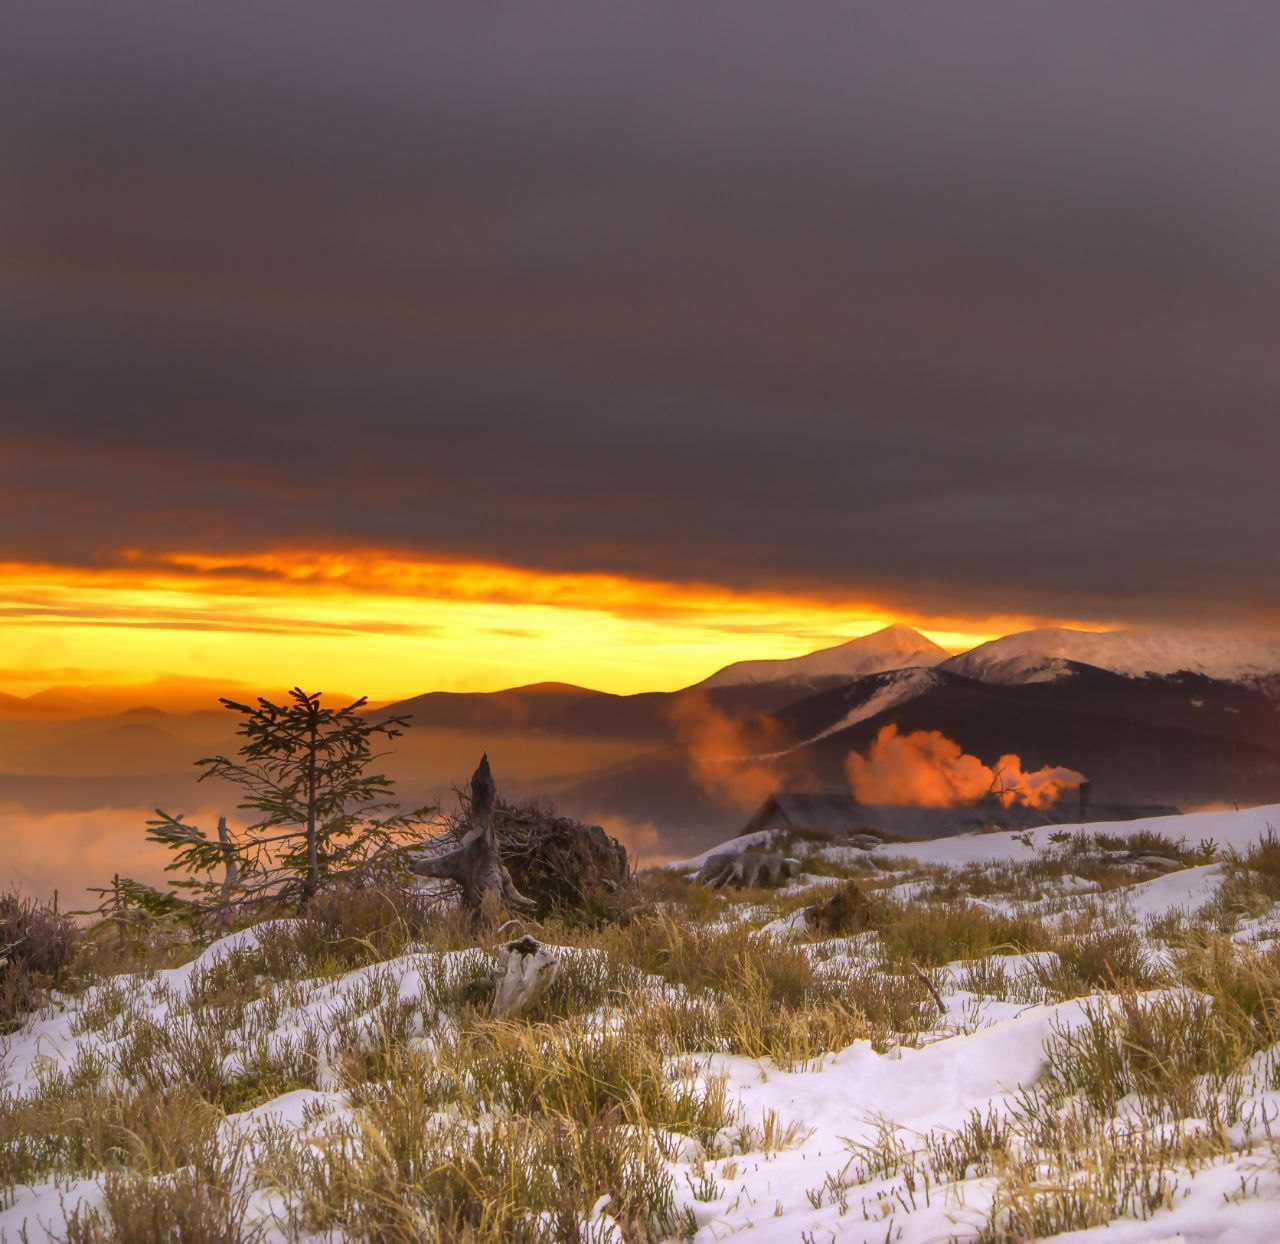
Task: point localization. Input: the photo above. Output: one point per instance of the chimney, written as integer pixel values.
(1084, 801)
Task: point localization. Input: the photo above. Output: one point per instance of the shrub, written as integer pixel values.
(740, 993)
(37, 946)
(1262, 862)
(556, 1118)
(405, 1177)
(1103, 959)
(352, 925)
(34, 934)
(1175, 1053)
(1143, 842)
(701, 958)
(1244, 985)
(204, 1203)
(931, 934)
(78, 1131)
(1084, 1179)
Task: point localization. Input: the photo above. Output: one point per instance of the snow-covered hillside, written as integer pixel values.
(1038, 655)
(896, 687)
(1059, 1033)
(895, 647)
(1231, 829)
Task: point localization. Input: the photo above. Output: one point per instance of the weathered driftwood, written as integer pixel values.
(475, 864)
(747, 868)
(526, 970)
(1162, 863)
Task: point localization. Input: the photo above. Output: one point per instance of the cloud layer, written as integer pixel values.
(962, 310)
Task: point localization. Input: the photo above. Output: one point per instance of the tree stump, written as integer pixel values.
(848, 910)
(476, 865)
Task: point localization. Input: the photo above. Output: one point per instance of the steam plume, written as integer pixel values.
(927, 769)
(725, 755)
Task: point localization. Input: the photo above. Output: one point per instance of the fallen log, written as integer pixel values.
(747, 868)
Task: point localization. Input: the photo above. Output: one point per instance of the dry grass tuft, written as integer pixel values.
(933, 933)
(37, 947)
(204, 1202)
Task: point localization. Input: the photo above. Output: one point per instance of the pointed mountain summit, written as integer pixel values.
(895, 647)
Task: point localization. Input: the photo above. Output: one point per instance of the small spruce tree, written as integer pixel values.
(131, 908)
(319, 813)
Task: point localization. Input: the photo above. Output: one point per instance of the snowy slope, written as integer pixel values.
(854, 1095)
(1231, 829)
(1235, 830)
(895, 647)
(1039, 655)
(830, 1116)
(899, 686)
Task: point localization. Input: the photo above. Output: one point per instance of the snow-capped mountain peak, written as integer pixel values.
(1042, 655)
(894, 647)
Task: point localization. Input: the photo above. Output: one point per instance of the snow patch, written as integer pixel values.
(900, 686)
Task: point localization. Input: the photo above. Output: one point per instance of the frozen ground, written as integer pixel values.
(874, 1141)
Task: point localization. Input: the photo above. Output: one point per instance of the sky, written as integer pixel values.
(463, 346)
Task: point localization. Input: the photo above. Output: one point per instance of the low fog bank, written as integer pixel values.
(70, 852)
(76, 794)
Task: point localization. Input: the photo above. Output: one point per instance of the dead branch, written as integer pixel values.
(929, 985)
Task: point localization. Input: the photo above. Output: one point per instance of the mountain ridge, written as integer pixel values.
(1043, 653)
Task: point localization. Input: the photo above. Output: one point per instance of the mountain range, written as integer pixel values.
(1168, 717)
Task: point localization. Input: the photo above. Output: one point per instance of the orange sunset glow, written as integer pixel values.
(388, 625)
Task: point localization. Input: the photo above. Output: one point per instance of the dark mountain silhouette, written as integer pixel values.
(561, 708)
(1184, 739)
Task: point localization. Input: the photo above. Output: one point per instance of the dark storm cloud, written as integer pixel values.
(969, 307)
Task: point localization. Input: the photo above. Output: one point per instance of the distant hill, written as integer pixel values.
(164, 693)
(119, 746)
(1183, 740)
(1148, 716)
(560, 708)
